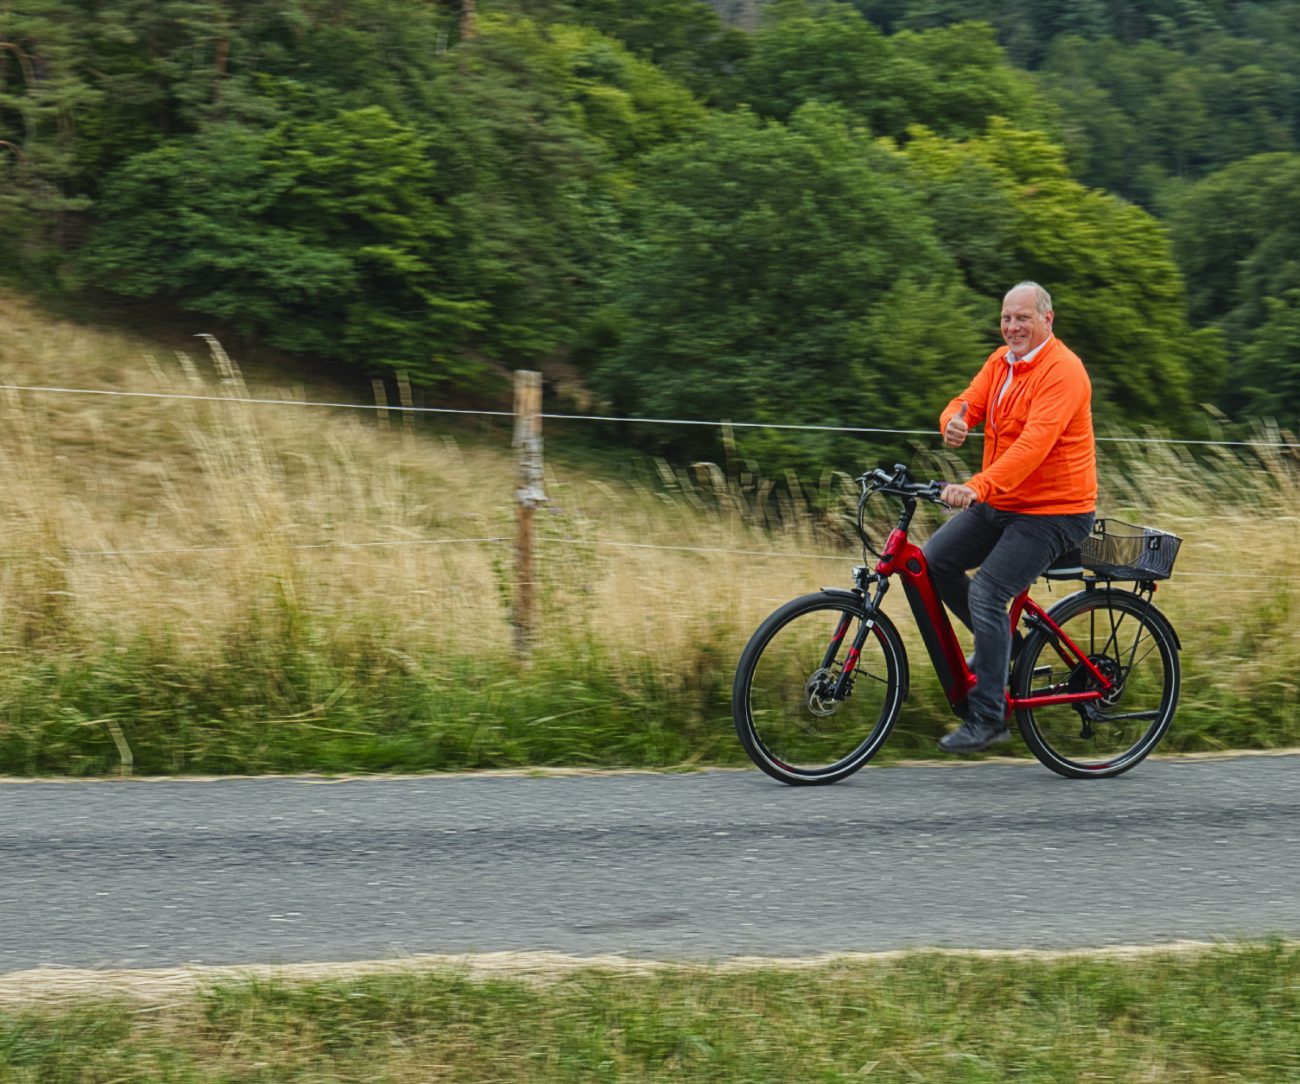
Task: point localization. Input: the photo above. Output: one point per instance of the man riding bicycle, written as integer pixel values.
(1034, 498)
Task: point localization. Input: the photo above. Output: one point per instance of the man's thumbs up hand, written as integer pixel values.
(956, 431)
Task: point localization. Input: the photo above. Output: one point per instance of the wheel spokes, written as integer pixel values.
(798, 718)
(1125, 649)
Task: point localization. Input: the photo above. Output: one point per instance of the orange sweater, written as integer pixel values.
(1039, 452)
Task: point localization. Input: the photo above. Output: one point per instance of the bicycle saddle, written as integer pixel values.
(1066, 566)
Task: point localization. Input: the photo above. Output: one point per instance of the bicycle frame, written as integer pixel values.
(903, 558)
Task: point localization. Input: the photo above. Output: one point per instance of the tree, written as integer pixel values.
(85, 87)
(1135, 116)
(537, 131)
(827, 54)
(42, 91)
(951, 79)
(192, 222)
(1109, 265)
(784, 273)
(450, 241)
(1236, 234)
(1269, 383)
(683, 38)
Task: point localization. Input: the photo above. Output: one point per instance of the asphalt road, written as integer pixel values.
(700, 866)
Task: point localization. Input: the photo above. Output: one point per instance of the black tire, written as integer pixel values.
(785, 719)
(1130, 640)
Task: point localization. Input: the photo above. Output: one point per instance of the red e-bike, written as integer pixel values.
(1093, 687)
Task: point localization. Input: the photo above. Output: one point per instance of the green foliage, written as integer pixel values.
(825, 54)
(1238, 234)
(393, 186)
(1029, 28)
(535, 132)
(1146, 91)
(41, 90)
(764, 265)
(363, 188)
(1118, 293)
(951, 79)
(955, 79)
(466, 235)
(684, 38)
(294, 695)
(1270, 362)
(176, 223)
(318, 236)
(1141, 114)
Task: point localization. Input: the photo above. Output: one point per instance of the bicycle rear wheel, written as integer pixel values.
(1133, 644)
(788, 716)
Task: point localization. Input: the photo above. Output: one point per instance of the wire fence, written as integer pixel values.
(609, 418)
(412, 409)
(724, 551)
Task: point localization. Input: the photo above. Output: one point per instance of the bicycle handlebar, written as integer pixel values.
(900, 483)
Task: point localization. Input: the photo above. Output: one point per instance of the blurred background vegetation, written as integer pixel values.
(207, 584)
(793, 211)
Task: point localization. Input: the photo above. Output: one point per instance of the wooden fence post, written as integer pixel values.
(528, 446)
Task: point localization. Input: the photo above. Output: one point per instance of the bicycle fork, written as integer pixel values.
(844, 682)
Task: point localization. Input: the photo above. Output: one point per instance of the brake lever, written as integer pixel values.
(933, 491)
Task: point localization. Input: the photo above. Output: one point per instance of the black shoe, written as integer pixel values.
(974, 735)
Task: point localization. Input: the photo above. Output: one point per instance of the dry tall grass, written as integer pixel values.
(130, 514)
(242, 539)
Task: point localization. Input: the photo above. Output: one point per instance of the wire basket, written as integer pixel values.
(1122, 551)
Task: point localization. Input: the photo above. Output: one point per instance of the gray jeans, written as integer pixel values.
(1010, 550)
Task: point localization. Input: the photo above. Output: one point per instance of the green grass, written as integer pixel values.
(299, 701)
(317, 712)
(1226, 1014)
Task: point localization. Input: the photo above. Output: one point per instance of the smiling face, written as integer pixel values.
(1024, 328)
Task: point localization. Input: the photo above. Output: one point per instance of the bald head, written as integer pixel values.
(1026, 317)
(1038, 297)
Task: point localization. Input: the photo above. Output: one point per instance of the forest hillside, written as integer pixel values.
(804, 214)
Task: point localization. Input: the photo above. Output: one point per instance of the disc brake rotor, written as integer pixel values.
(817, 693)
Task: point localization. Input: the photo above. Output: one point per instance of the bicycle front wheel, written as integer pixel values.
(795, 717)
(1129, 641)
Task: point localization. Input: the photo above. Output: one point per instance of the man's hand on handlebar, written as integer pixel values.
(901, 484)
(955, 495)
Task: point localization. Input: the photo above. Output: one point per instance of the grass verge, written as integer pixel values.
(1229, 1013)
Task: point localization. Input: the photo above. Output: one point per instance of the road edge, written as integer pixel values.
(558, 772)
(54, 986)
